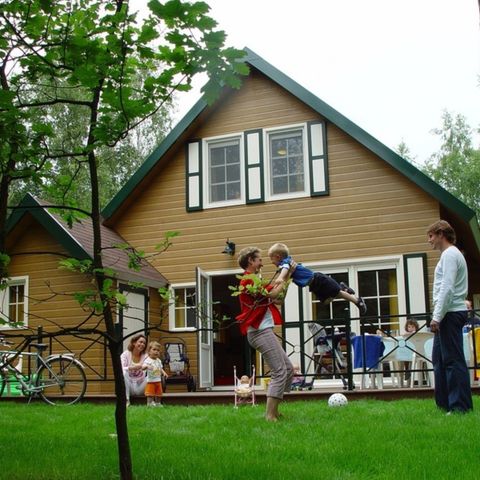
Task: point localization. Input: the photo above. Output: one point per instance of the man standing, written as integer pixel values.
(450, 287)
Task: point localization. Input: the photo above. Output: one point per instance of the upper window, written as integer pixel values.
(182, 308)
(257, 165)
(287, 163)
(14, 302)
(224, 171)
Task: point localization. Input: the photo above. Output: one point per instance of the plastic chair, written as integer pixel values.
(368, 361)
(389, 357)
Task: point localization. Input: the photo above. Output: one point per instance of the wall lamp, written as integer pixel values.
(229, 248)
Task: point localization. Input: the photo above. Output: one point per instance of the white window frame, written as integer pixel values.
(5, 301)
(173, 304)
(352, 266)
(269, 196)
(206, 177)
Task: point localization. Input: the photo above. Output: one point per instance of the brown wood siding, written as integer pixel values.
(372, 210)
(51, 304)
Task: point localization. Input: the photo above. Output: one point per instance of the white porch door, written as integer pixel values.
(134, 317)
(205, 333)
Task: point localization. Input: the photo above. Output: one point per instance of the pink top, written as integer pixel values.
(127, 361)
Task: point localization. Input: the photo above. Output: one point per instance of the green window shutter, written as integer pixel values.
(317, 157)
(193, 187)
(254, 176)
(416, 283)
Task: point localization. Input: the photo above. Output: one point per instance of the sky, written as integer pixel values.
(390, 66)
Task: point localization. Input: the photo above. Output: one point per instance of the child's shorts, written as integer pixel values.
(153, 389)
(324, 286)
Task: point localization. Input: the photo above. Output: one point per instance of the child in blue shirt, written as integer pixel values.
(323, 286)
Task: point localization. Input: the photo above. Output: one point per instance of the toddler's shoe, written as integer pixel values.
(346, 288)
(362, 306)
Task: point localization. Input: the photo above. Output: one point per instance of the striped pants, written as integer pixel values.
(281, 368)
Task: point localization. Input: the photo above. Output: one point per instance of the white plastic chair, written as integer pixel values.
(467, 351)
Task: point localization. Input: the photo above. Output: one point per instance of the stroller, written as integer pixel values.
(244, 393)
(177, 362)
(325, 347)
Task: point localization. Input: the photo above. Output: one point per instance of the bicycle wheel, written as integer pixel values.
(62, 381)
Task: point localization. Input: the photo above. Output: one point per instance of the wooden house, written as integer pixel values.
(269, 163)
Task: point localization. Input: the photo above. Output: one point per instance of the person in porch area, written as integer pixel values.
(411, 326)
(258, 316)
(132, 362)
(323, 286)
(473, 320)
(450, 287)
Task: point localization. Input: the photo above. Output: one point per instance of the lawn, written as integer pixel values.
(368, 439)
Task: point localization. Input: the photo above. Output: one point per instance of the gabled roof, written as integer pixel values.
(78, 241)
(401, 165)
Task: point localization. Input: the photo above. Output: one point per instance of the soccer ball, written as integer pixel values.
(337, 400)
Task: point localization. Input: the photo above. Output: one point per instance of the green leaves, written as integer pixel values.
(457, 165)
(254, 285)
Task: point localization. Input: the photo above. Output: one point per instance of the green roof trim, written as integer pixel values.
(30, 204)
(330, 114)
(153, 158)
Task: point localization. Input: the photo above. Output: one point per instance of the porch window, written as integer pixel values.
(14, 302)
(287, 163)
(224, 171)
(379, 289)
(182, 308)
(334, 309)
(378, 286)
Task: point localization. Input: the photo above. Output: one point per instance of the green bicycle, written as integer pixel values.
(58, 379)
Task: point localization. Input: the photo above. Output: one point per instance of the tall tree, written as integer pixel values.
(70, 176)
(456, 166)
(85, 54)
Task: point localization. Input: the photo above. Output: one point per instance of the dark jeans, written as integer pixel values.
(452, 381)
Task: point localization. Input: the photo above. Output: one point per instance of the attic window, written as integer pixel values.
(224, 171)
(257, 165)
(287, 163)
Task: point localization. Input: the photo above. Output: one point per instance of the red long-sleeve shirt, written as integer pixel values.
(254, 308)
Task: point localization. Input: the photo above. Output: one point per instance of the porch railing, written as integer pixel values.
(373, 357)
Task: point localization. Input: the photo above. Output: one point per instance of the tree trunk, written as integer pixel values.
(114, 338)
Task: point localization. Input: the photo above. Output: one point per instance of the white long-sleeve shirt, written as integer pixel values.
(450, 284)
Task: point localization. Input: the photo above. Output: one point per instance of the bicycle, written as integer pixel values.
(59, 379)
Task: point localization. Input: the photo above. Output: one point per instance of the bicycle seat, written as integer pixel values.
(39, 346)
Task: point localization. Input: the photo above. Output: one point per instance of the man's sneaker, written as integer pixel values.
(346, 288)
(362, 306)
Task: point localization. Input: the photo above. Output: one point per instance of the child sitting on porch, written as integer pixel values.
(323, 286)
(298, 378)
(244, 389)
(411, 326)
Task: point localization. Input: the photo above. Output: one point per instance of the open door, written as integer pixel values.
(205, 332)
(134, 317)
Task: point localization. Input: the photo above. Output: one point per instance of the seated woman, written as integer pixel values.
(132, 360)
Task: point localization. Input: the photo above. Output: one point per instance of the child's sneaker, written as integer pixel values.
(346, 288)
(362, 306)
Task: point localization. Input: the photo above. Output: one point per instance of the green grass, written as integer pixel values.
(406, 439)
